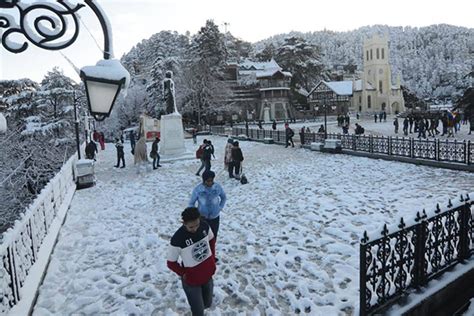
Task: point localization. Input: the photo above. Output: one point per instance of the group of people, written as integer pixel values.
(233, 157)
(91, 149)
(139, 152)
(381, 116)
(195, 243)
(192, 249)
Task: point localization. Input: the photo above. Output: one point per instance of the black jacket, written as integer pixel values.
(237, 154)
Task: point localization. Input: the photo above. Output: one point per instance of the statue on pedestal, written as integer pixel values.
(168, 93)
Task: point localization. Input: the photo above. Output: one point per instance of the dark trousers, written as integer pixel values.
(207, 165)
(120, 157)
(199, 297)
(156, 161)
(234, 168)
(288, 140)
(214, 224)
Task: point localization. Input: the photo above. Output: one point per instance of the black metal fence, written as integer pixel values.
(431, 149)
(410, 257)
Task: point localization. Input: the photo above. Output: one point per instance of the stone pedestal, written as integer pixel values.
(171, 135)
(266, 114)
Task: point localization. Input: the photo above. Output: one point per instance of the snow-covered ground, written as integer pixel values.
(288, 242)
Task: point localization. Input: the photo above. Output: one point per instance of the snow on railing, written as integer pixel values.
(28, 243)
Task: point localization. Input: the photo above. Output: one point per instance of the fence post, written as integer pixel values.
(371, 143)
(464, 231)
(468, 152)
(437, 147)
(390, 145)
(419, 264)
(363, 276)
(13, 275)
(412, 154)
(465, 151)
(354, 142)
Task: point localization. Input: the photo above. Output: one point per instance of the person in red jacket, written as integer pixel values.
(194, 243)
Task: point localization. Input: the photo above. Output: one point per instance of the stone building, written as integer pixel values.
(374, 92)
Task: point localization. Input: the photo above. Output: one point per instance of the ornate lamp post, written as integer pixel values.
(45, 25)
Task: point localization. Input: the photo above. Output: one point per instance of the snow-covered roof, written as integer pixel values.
(259, 65)
(340, 87)
(271, 72)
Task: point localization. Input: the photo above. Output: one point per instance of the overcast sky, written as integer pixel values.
(250, 20)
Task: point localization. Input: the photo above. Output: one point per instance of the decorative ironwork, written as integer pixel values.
(425, 149)
(44, 25)
(401, 147)
(410, 257)
(380, 145)
(452, 151)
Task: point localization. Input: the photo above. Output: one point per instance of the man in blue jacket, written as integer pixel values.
(211, 199)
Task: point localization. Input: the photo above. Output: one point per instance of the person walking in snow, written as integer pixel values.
(120, 154)
(91, 150)
(194, 242)
(395, 124)
(375, 117)
(132, 141)
(154, 153)
(274, 125)
(200, 155)
(236, 161)
(102, 141)
(405, 126)
(302, 131)
(210, 198)
(289, 133)
(228, 155)
(140, 156)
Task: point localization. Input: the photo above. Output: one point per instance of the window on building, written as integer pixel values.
(371, 56)
(380, 86)
(360, 99)
(369, 102)
(383, 53)
(377, 53)
(367, 55)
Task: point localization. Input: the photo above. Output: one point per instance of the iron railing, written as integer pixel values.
(431, 149)
(408, 258)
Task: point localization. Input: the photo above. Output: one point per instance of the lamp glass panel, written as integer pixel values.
(101, 96)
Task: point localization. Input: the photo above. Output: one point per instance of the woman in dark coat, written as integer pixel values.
(237, 158)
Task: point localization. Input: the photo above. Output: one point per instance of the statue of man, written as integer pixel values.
(168, 93)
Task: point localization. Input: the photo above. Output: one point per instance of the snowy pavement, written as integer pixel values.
(288, 242)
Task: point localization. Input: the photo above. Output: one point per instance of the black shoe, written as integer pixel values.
(197, 174)
(122, 167)
(154, 168)
(116, 166)
(158, 166)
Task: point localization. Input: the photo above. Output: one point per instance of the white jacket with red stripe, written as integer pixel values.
(197, 252)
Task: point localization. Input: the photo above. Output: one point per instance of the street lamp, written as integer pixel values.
(48, 29)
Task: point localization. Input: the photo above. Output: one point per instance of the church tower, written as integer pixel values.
(378, 92)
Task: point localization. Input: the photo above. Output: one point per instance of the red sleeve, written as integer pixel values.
(173, 265)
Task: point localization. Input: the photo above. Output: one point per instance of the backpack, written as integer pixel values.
(291, 133)
(199, 152)
(207, 152)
